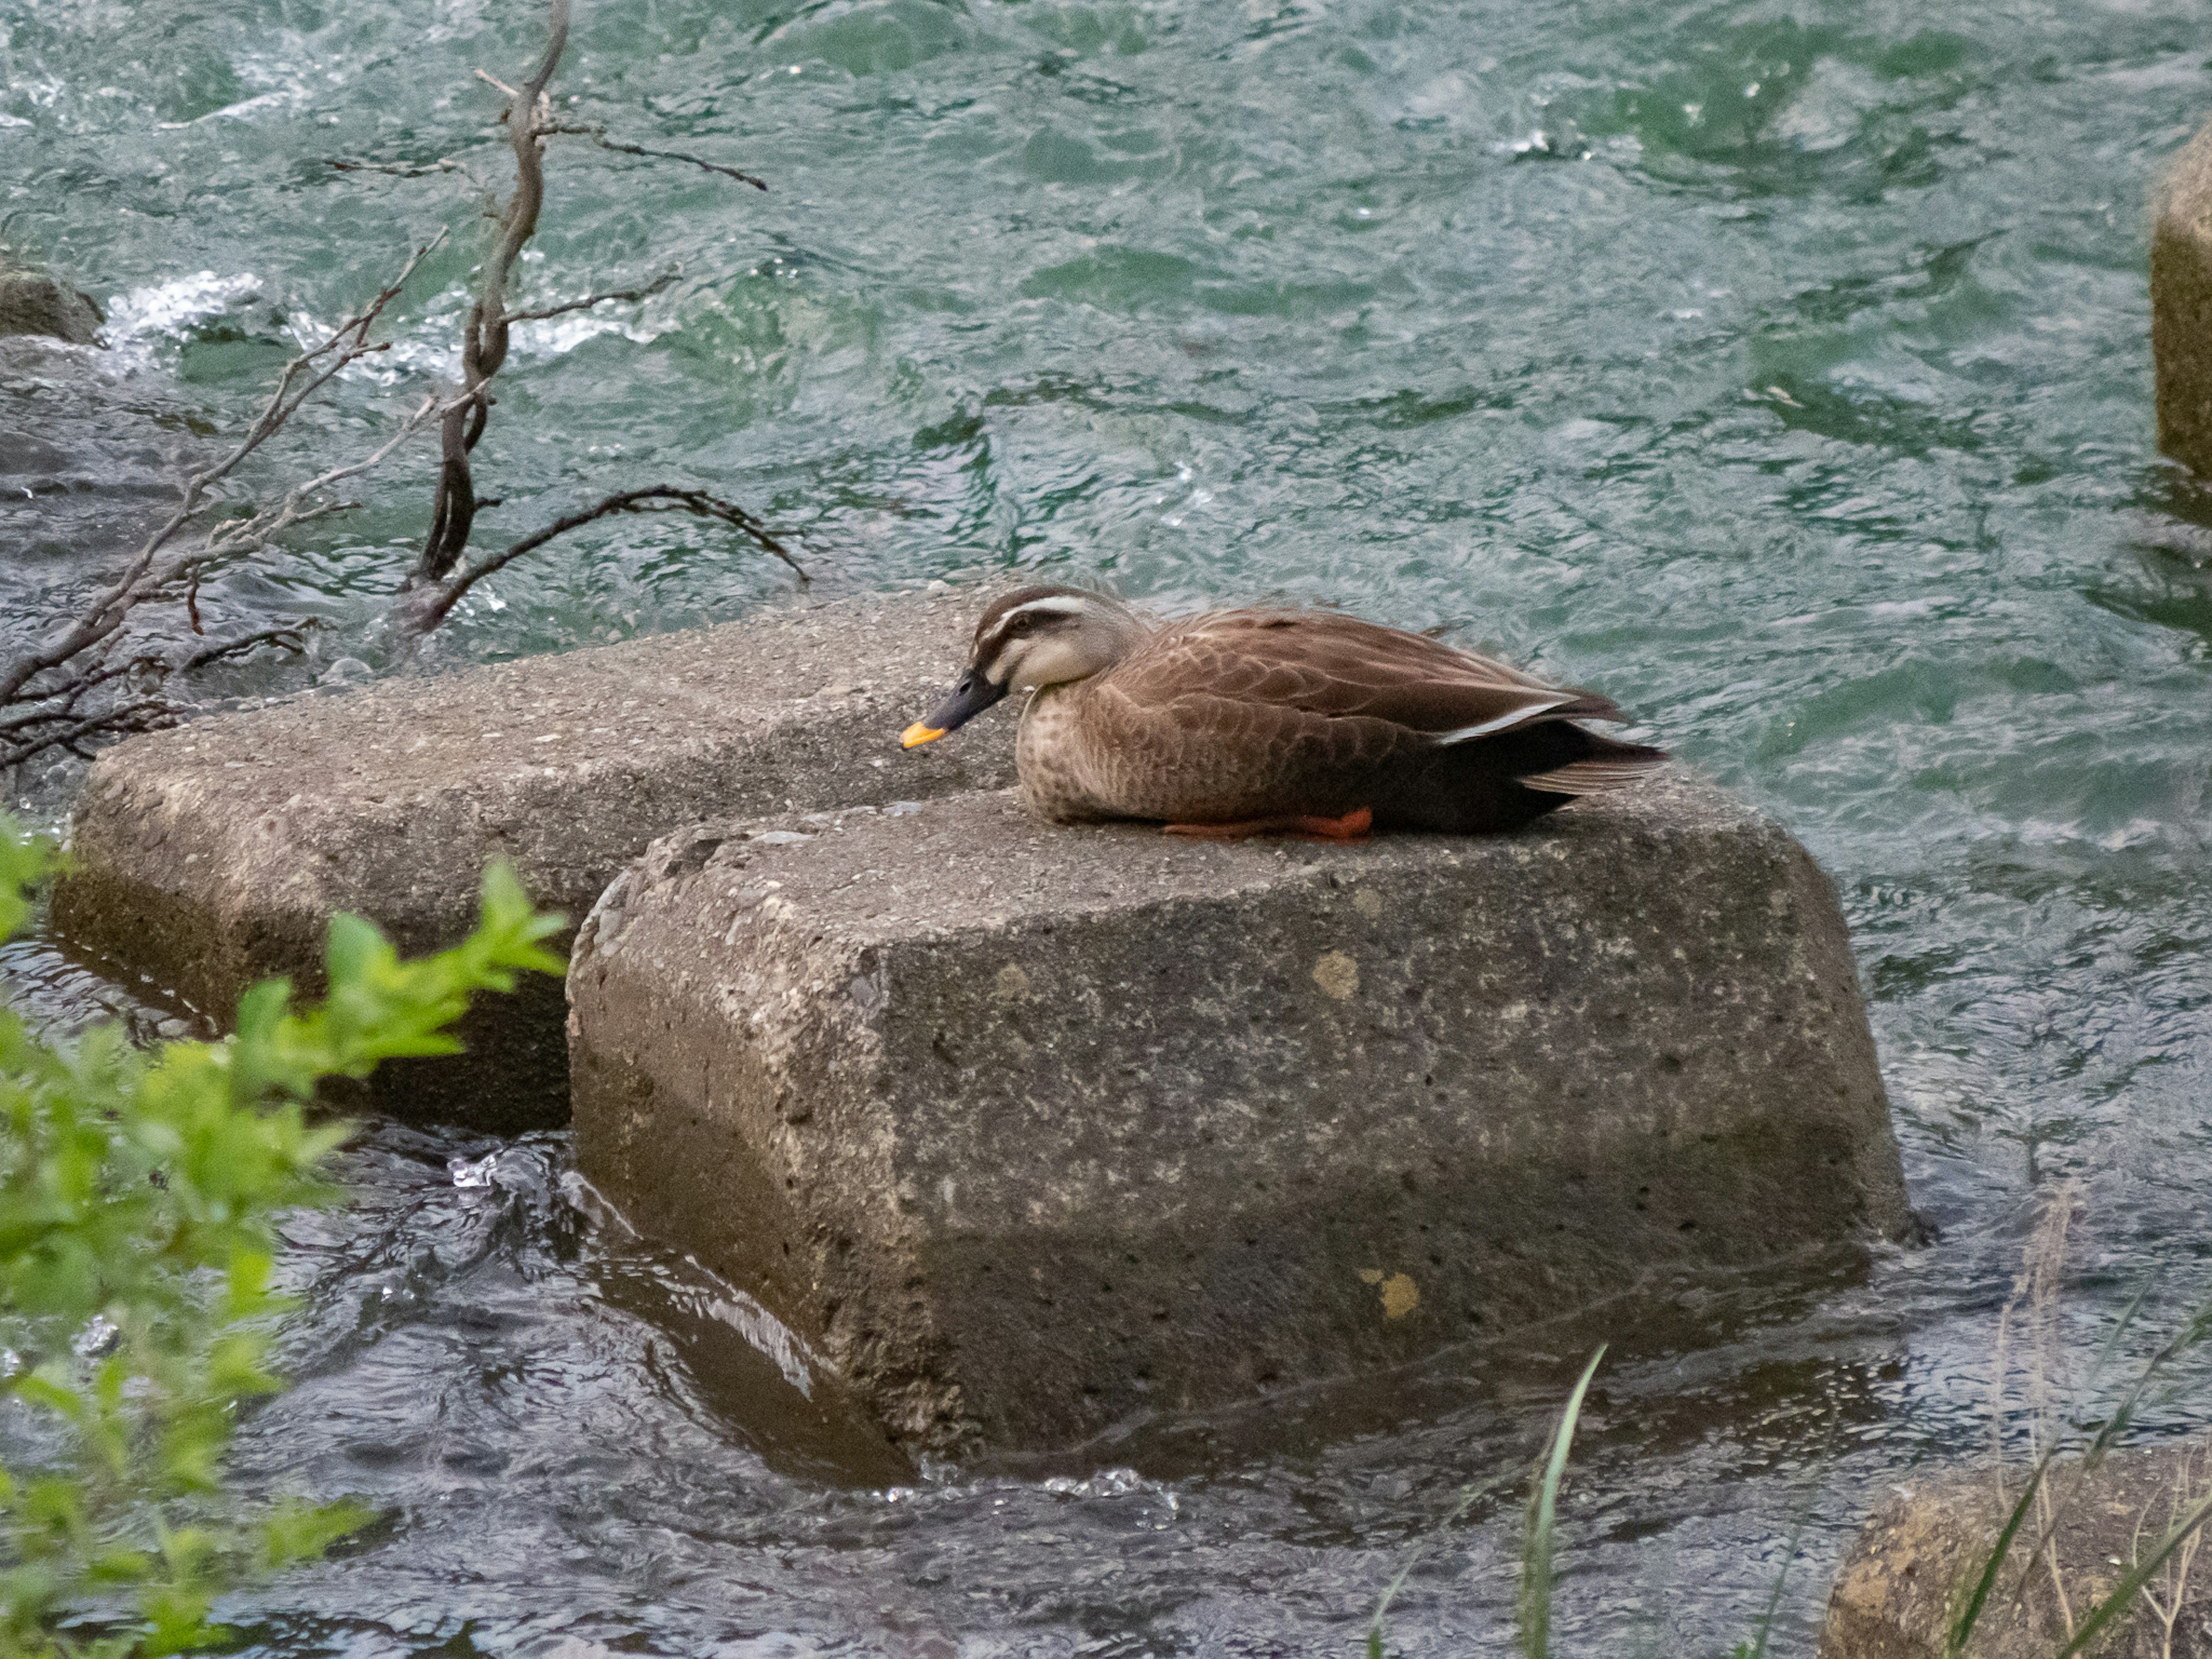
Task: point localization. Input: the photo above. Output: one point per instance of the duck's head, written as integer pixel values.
(1033, 637)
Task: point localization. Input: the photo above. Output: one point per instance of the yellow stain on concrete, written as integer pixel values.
(1012, 983)
(1370, 1276)
(1337, 975)
(1368, 902)
(1400, 1297)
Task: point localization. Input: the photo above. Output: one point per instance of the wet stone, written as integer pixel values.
(211, 856)
(2181, 306)
(1031, 1129)
(32, 303)
(1900, 1592)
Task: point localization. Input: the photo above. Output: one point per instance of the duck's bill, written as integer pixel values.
(970, 698)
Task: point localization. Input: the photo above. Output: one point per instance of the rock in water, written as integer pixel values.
(1899, 1593)
(1030, 1128)
(211, 856)
(31, 302)
(2181, 306)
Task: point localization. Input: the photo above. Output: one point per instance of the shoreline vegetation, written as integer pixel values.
(2021, 1588)
(141, 1199)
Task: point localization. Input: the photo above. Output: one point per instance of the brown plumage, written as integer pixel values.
(1274, 719)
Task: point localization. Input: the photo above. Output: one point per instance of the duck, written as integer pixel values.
(1308, 722)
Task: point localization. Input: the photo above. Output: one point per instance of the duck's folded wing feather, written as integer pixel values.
(1317, 664)
(1168, 753)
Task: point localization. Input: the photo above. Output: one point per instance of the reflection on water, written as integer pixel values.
(1782, 369)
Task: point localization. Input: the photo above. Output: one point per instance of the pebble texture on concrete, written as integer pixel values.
(210, 856)
(1901, 1591)
(2181, 306)
(1030, 1128)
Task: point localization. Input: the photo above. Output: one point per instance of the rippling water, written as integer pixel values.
(1781, 369)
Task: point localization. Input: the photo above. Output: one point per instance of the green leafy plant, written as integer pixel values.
(139, 1199)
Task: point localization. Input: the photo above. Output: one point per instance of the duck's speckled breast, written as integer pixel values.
(1048, 754)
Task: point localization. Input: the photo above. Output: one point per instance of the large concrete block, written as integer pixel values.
(1029, 1127)
(2181, 306)
(210, 856)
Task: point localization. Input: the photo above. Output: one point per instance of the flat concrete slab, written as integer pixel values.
(209, 857)
(1030, 1128)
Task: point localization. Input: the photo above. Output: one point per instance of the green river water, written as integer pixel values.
(1780, 369)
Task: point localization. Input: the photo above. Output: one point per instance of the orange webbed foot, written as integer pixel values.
(1352, 826)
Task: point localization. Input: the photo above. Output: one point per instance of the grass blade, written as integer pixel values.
(1982, 1586)
(1467, 1501)
(1543, 1506)
(1758, 1649)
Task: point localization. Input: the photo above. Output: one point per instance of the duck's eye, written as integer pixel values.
(1020, 625)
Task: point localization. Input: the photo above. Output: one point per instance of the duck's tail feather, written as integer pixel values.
(1614, 766)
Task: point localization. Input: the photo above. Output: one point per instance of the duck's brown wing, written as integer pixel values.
(1318, 663)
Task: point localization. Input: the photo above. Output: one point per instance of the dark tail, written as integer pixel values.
(1512, 778)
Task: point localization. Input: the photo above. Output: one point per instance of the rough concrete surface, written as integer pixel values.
(210, 856)
(2181, 306)
(1032, 1129)
(31, 302)
(1899, 1593)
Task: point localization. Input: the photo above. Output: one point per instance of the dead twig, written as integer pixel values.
(598, 135)
(632, 295)
(399, 169)
(484, 336)
(439, 579)
(658, 498)
(44, 688)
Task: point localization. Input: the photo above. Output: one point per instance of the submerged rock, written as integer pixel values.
(31, 302)
(211, 856)
(1032, 1129)
(2181, 306)
(1900, 1592)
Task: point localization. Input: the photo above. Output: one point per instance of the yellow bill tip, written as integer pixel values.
(917, 734)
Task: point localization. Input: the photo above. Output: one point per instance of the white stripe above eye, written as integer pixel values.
(1503, 722)
(1056, 605)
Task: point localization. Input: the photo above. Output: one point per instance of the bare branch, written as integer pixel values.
(293, 639)
(140, 577)
(598, 136)
(484, 338)
(659, 498)
(399, 169)
(632, 295)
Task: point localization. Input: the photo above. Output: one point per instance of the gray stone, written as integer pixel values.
(31, 302)
(210, 856)
(1030, 1128)
(1911, 1572)
(2181, 306)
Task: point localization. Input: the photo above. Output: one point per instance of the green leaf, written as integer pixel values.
(1543, 1505)
(148, 1192)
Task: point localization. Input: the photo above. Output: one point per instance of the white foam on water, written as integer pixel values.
(143, 317)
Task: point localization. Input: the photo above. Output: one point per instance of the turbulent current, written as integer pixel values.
(1781, 369)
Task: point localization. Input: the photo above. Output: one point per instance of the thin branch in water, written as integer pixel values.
(484, 336)
(397, 169)
(141, 577)
(631, 295)
(293, 639)
(598, 136)
(658, 498)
